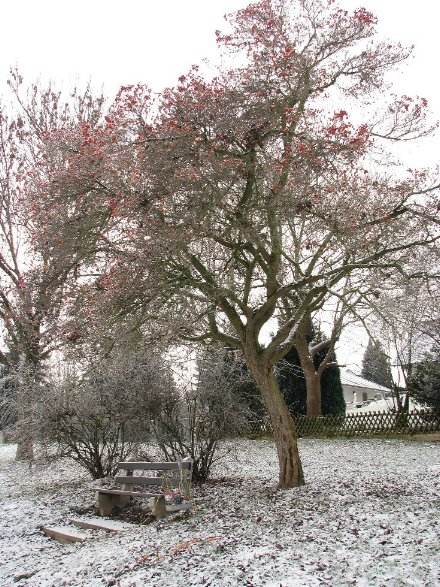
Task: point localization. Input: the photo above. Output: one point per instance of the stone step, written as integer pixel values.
(101, 524)
(63, 534)
(177, 507)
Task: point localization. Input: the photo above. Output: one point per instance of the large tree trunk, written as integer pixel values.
(29, 372)
(284, 429)
(313, 383)
(25, 450)
(25, 445)
(312, 376)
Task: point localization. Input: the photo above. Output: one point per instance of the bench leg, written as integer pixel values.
(159, 508)
(107, 502)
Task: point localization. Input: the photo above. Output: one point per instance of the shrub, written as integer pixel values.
(99, 418)
(192, 422)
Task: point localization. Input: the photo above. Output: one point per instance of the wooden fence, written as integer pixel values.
(360, 424)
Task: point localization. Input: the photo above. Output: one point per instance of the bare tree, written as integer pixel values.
(36, 279)
(22, 393)
(406, 323)
(249, 199)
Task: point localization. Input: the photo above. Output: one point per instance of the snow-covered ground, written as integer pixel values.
(368, 516)
(383, 405)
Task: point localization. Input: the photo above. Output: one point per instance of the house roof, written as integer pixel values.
(350, 378)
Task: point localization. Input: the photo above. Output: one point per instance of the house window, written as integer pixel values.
(364, 396)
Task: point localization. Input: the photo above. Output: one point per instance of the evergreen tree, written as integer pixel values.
(375, 365)
(424, 384)
(332, 400)
(292, 383)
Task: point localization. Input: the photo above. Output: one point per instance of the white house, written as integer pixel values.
(357, 389)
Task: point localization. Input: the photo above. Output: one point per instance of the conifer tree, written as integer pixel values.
(424, 383)
(332, 399)
(292, 383)
(376, 366)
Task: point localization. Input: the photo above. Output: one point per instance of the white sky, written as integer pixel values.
(154, 41)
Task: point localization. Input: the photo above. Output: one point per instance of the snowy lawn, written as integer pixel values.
(368, 516)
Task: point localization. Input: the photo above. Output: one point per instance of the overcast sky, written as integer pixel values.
(154, 41)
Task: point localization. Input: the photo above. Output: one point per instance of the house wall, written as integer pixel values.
(362, 394)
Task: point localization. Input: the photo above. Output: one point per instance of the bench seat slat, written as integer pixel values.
(122, 492)
(142, 466)
(142, 480)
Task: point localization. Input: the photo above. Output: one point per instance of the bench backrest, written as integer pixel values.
(168, 475)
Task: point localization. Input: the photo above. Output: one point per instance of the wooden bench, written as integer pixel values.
(169, 487)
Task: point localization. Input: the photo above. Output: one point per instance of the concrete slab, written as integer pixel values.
(177, 507)
(63, 534)
(101, 524)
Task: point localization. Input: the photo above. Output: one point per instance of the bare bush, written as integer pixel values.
(193, 421)
(98, 420)
(102, 416)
